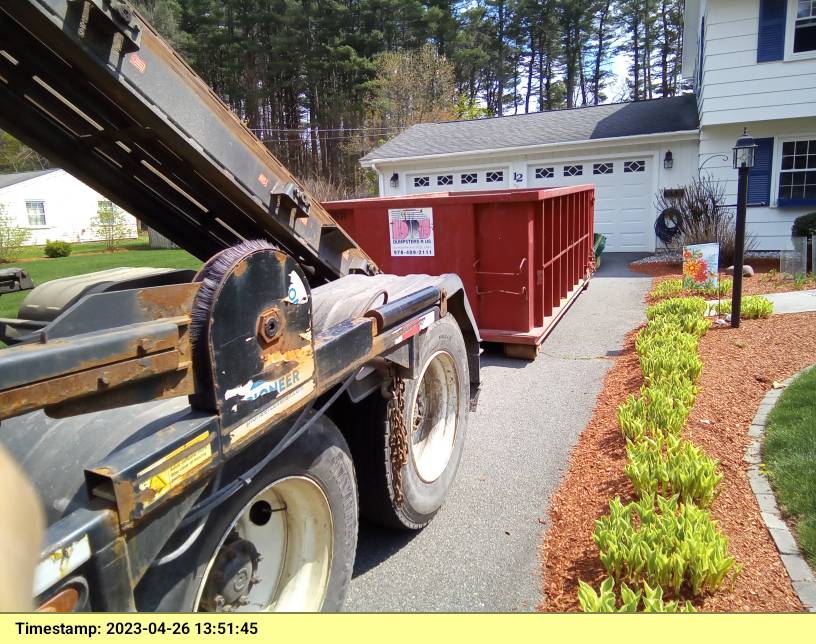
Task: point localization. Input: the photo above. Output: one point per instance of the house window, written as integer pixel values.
(804, 26)
(36, 213)
(544, 173)
(444, 180)
(573, 170)
(495, 176)
(634, 166)
(602, 168)
(422, 182)
(797, 176)
(468, 178)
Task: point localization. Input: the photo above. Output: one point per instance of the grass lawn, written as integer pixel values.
(43, 270)
(790, 457)
(38, 252)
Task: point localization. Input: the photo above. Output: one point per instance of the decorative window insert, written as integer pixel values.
(494, 176)
(602, 168)
(804, 26)
(573, 170)
(797, 176)
(36, 213)
(468, 178)
(444, 180)
(544, 173)
(634, 166)
(422, 182)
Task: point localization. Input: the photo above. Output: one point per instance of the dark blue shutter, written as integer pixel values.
(759, 177)
(702, 55)
(771, 36)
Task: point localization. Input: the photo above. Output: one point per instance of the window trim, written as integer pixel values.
(776, 171)
(790, 26)
(28, 220)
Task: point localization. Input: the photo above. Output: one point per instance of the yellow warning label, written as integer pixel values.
(165, 480)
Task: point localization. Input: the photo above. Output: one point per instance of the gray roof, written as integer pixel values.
(18, 177)
(657, 116)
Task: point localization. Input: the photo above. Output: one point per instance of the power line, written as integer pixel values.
(307, 128)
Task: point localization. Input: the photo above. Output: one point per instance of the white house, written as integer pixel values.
(53, 205)
(753, 64)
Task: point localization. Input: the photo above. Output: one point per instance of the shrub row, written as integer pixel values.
(753, 307)
(666, 539)
(674, 288)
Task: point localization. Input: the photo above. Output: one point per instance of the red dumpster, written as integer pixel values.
(523, 255)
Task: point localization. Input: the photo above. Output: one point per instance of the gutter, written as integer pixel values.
(614, 140)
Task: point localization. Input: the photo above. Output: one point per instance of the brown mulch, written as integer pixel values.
(659, 269)
(740, 365)
(759, 284)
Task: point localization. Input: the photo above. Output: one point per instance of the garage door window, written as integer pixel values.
(468, 178)
(421, 182)
(444, 180)
(602, 168)
(573, 170)
(634, 166)
(495, 176)
(544, 173)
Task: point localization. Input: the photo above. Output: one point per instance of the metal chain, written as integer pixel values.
(398, 436)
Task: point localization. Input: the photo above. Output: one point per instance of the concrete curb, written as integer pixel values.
(799, 571)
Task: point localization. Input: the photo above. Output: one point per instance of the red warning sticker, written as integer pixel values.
(138, 62)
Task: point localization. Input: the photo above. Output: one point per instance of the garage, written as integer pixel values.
(624, 210)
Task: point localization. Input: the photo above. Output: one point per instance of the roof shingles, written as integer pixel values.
(658, 116)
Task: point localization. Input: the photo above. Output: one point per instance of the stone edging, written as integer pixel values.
(798, 569)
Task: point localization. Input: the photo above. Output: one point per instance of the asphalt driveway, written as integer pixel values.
(480, 553)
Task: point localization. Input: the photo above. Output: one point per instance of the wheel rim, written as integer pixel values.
(434, 415)
(289, 524)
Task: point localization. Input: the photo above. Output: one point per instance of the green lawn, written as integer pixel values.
(790, 457)
(48, 269)
(140, 243)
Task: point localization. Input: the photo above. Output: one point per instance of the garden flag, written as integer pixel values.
(700, 266)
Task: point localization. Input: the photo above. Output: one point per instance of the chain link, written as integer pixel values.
(398, 436)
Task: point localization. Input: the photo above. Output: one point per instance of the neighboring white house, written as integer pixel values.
(753, 64)
(53, 205)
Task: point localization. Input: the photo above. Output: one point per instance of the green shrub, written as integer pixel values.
(655, 414)
(664, 543)
(662, 360)
(753, 307)
(668, 288)
(804, 225)
(677, 306)
(669, 466)
(605, 601)
(57, 249)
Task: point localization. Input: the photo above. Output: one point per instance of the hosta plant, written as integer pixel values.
(669, 466)
(677, 307)
(756, 306)
(605, 601)
(667, 288)
(655, 414)
(666, 359)
(662, 542)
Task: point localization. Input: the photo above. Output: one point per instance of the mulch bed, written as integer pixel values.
(740, 365)
(659, 269)
(759, 284)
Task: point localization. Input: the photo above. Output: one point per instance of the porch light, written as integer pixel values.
(668, 160)
(744, 151)
(394, 180)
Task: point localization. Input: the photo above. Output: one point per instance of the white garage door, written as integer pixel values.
(624, 209)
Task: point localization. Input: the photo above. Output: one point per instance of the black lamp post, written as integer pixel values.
(744, 152)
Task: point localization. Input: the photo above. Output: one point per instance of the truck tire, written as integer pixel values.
(435, 416)
(300, 515)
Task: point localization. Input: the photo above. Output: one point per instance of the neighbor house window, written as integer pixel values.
(634, 166)
(804, 26)
(797, 176)
(36, 213)
(469, 177)
(573, 170)
(602, 168)
(544, 173)
(495, 176)
(444, 180)
(422, 182)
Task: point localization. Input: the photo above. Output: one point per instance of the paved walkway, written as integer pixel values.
(481, 551)
(793, 301)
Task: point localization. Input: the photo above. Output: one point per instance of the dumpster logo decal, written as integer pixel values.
(411, 231)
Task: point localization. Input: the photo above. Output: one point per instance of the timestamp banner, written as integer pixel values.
(400, 628)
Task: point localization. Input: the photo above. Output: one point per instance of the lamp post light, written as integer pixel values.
(744, 153)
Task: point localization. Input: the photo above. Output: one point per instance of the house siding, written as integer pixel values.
(735, 87)
(70, 206)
